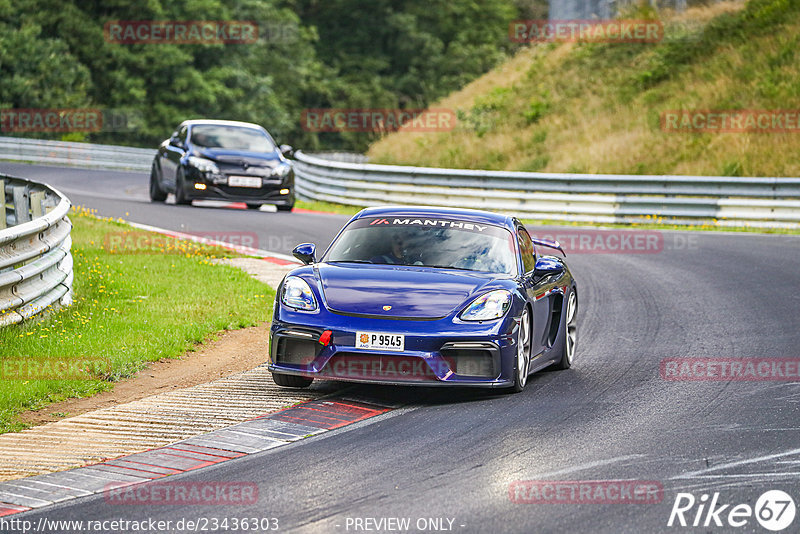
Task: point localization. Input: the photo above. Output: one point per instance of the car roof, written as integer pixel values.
(461, 214)
(194, 122)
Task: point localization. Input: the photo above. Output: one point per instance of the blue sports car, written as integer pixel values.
(425, 296)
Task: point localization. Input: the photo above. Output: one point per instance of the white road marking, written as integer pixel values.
(748, 475)
(590, 465)
(704, 472)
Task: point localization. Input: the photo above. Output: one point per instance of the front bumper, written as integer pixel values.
(440, 352)
(216, 188)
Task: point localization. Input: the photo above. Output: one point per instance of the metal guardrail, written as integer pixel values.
(78, 154)
(600, 198)
(725, 201)
(35, 259)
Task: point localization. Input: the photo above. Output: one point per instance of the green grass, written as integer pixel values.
(131, 307)
(329, 207)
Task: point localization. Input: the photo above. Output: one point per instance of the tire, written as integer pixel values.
(569, 332)
(254, 206)
(291, 381)
(180, 193)
(288, 207)
(156, 193)
(522, 361)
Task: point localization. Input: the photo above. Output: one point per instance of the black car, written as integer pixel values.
(223, 160)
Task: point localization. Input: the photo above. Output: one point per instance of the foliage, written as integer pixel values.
(310, 54)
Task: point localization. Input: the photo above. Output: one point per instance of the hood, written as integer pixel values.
(240, 157)
(414, 292)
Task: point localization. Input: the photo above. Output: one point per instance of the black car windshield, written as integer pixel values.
(440, 243)
(231, 137)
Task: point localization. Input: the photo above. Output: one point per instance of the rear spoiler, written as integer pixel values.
(549, 244)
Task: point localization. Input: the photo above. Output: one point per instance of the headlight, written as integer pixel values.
(282, 170)
(491, 305)
(297, 294)
(203, 165)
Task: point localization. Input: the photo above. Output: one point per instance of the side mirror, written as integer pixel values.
(174, 141)
(547, 267)
(305, 253)
(286, 150)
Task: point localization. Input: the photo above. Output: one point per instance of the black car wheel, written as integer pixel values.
(156, 193)
(180, 192)
(291, 381)
(569, 331)
(522, 363)
(253, 206)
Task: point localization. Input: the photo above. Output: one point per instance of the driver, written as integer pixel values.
(397, 254)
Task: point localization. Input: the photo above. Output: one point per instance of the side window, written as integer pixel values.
(182, 134)
(526, 250)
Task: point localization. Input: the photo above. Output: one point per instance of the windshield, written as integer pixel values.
(446, 244)
(231, 137)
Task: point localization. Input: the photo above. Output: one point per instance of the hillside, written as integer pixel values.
(596, 108)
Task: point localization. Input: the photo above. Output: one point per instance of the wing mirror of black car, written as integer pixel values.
(175, 141)
(305, 252)
(547, 267)
(286, 150)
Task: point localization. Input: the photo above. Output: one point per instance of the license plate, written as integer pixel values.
(380, 341)
(244, 181)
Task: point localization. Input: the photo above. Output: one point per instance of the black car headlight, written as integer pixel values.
(205, 166)
(282, 170)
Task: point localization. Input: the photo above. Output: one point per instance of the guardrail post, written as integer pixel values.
(37, 203)
(3, 222)
(22, 210)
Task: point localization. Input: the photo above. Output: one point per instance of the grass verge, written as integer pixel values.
(328, 207)
(156, 300)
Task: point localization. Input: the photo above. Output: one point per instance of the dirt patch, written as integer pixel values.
(232, 352)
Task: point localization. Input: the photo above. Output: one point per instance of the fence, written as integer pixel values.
(599, 198)
(35, 259)
(78, 154)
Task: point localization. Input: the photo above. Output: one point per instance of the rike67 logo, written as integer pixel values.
(774, 510)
